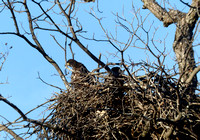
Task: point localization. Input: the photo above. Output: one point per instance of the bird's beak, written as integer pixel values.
(67, 64)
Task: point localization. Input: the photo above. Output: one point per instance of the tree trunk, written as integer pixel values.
(182, 45)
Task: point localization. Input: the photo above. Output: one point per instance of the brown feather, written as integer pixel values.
(80, 74)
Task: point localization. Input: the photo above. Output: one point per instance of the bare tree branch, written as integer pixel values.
(31, 120)
(75, 39)
(13, 16)
(166, 17)
(11, 132)
(193, 74)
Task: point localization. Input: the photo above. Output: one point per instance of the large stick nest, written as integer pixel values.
(152, 106)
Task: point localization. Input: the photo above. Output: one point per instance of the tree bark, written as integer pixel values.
(182, 45)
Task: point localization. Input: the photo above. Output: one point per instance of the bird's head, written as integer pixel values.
(116, 71)
(71, 63)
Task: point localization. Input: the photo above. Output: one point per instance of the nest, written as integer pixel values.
(143, 107)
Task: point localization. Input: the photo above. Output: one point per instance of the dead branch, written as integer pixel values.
(11, 132)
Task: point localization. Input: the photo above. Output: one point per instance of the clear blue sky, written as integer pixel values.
(23, 63)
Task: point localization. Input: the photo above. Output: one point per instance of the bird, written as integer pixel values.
(115, 81)
(115, 78)
(80, 74)
(77, 66)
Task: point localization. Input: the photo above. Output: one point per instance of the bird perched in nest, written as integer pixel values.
(114, 84)
(116, 78)
(80, 74)
(115, 81)
(117, 73)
